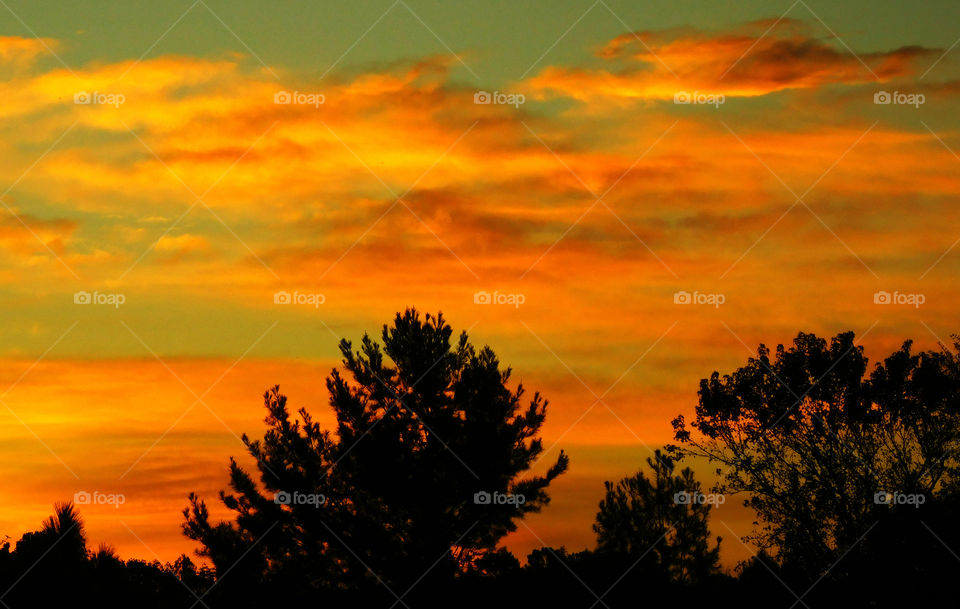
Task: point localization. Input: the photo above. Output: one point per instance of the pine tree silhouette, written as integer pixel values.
(421, 477)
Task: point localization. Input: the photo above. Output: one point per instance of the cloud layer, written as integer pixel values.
(199, 187)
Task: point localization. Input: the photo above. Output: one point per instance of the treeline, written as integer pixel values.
(54, 567)
(852, 473)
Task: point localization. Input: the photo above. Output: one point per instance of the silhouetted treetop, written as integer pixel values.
(661, 520)
(819, 445)
(424, 466)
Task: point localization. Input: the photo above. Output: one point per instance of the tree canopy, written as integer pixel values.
(423, 472)
(821, 448)
(663, 517)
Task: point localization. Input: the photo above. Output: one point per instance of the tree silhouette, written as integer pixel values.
(52, 567)
(662, 518)
(61, 543)
(819, 446)
(67, 526)
(421, 475)
(58, 550)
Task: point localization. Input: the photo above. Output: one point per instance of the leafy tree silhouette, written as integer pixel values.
(420, 447)
(812, 440)
(660, 519)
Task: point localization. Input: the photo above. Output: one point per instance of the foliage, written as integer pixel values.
(659, 518)
(416, 440)
(816, 443)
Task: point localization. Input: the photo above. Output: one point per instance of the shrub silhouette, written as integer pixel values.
(414, 444)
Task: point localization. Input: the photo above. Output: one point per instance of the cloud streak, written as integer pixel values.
(759, 59)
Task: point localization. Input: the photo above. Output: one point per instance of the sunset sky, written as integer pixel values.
(185, 191)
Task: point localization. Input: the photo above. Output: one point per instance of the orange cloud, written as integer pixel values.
(21, 53)
(28, 237)
(759, 59)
